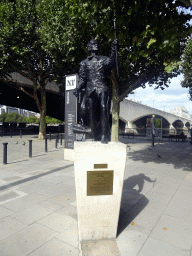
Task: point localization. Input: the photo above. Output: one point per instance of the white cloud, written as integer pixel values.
(166, 99)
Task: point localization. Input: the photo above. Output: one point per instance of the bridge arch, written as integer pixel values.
(132, 111)
(187, 124)
(178, 124)
(150, 115)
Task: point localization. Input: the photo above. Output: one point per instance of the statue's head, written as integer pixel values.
(93, 46)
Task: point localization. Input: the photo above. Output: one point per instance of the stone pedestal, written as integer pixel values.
(69, 154)
(99, 174)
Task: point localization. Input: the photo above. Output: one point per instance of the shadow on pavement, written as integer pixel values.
(16, 183)
(130, 197)
(15, 162)
(177, 154)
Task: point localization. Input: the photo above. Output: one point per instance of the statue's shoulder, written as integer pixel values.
(83, 62)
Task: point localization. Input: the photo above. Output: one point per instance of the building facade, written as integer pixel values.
(8, 109)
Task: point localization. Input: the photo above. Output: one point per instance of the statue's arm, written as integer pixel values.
(82, 79)
(111, 61)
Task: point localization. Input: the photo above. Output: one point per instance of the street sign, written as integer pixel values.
(70, 110)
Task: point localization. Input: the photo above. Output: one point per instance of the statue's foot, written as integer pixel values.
(95, 139)
(104, 139)
(78, 128)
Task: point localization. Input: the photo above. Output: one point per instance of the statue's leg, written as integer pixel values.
(92, 118)
(83, 111)
(104, 98)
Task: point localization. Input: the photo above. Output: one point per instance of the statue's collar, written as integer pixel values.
(91, 57)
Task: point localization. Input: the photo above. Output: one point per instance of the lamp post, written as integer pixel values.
(153, 129)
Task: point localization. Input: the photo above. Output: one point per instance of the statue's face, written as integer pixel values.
(93, 46)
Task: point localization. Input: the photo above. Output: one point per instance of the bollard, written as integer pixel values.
(153, 139)
(58, 136)
(20, 134)
(5, 153)
(2, 133)
(45, 144)
(10, 133)
(30, 148)
(50, 136)
(56, 142)
(60, 139)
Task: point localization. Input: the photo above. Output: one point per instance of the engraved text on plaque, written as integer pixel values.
(99, 183)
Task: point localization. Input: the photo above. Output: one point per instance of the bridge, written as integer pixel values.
(134, 114)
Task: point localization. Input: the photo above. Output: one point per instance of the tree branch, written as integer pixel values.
(31, 73)
(21, 72)
(186, 2)
(134, 85)
(18, 86)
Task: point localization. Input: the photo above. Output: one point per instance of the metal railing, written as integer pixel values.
(142, 132)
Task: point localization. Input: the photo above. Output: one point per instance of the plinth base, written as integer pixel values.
(69, 154)
(99, 174)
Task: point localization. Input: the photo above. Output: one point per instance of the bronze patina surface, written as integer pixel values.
(100, 183)
(100, 166)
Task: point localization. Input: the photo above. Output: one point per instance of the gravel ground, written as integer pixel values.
(16, 150)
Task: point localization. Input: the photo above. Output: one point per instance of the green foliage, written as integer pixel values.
(3, 117)
(50, 120)
(37, 121)
(48, 38)
(12, 118)
(39, 41)
(31, 119)
(187, 67)
(21, 119)
(44, 40)
(151, 34)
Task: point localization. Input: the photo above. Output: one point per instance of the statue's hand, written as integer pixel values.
(76, 92)
(115, 42)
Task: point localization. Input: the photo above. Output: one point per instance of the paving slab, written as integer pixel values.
(9, 226)
(100, 247)
(31, 214)
(159, 248)
(130, 241)
(38, 212)
(58, 222)
(26, 240)
(175, 231)
(55, 247)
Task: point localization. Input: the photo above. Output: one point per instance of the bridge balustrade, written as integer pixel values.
(143, 132)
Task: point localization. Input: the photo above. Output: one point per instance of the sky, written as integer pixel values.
(166, 99)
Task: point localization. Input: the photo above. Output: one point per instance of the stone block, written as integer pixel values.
(98, 210)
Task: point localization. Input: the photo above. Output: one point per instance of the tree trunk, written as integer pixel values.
(115, 109)
(42, 125)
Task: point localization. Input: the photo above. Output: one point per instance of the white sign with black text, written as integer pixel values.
(71, 82)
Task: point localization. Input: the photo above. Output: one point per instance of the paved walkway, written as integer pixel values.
(38, 214)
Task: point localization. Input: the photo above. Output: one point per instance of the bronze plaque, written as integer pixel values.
(99, 183)
(100, 166)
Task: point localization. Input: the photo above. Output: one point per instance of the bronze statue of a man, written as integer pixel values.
(93, 77)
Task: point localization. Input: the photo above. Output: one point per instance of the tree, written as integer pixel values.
(187, 67)
(12, 118)
(3, 117)
(21, 119)
(31, 119)
(37, 121)
(152, 35)
(50, 120)
(36, 42)
(44, 40)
